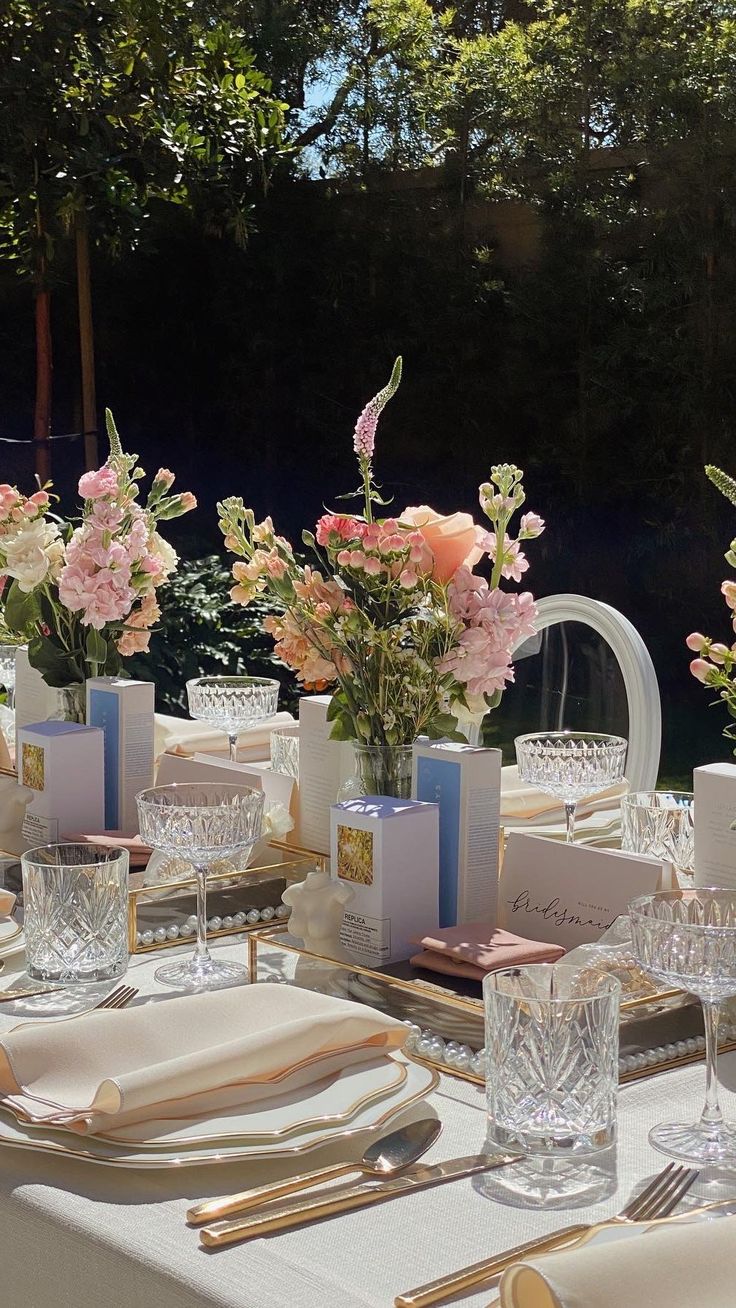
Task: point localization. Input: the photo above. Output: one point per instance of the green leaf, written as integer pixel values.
(21, 610)
(96, 647)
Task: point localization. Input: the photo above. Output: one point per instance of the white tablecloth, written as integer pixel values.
(75, 1235)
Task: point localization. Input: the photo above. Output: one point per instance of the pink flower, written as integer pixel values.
(9, 498)
(514, 562)
(475, 663)
(408, 579)
(530, 526)
(696, 641)
(334, 527)
(188, 501)
(275, 565)
(728, 590)
(701, 670)
(164, 479)
(718, 653)
(373, 567)
(364, 440)
(95, 485)
(40, 499)
(450, 537)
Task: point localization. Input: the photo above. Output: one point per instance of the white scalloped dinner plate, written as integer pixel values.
(369, 1119)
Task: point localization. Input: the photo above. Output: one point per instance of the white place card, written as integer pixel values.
(570, 894)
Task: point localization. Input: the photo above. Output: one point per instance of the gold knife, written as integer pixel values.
(281, 1216)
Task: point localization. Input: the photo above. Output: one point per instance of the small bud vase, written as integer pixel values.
(379, 770)
(71, 703)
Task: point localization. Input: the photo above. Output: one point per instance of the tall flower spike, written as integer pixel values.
(365, 428)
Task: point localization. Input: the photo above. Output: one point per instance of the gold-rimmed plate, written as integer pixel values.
(368, 1121)
(334, 1100)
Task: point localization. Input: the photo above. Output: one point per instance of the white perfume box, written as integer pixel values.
(715, 810)
(63, 764)
(323, 766)
(387, 852)
(34, 700)
(123, 710)
(465, 781)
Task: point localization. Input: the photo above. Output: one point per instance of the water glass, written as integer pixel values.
(284, 751)
(552, 1059)
(75, 912)
(661, 823)
(8, 651)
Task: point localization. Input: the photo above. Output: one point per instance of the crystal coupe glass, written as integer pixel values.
(232, 703)
(203, 823)
(571, 765)
(687, 939)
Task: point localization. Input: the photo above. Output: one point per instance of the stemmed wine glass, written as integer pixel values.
(687, 939)
(202, 822)
(232, 703)
(570, 765)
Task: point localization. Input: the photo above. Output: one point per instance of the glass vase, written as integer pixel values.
(71, 705)
(380, 770)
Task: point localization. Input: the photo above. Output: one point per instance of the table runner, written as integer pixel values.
(79, 1236)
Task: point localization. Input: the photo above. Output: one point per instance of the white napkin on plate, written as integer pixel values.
(184, 1057)
(521, 802)
(688, 1265)
(182, 736)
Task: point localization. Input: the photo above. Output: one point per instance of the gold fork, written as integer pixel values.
(117, 998)
(658, 1199)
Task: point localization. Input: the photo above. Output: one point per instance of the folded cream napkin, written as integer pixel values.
(521, 802)
(182, 736)
(692, 1265)
(478, 947)
(184, 1057)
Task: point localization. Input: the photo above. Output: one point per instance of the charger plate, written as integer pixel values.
(371, 1118)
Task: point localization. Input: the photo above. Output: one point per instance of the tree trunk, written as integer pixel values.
(44, 372)
(86, 340)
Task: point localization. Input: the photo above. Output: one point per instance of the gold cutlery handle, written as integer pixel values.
(247, 1228)
(455, 1282)
(212, 1209)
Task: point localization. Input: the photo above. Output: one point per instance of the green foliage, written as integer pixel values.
(112, 105)
(201, 633)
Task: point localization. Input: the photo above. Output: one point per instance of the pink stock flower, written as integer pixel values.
(514, 562)
(95, 485)
(477, 664)
(136, 637)
(334, 527)
(188, 501)
(164, 478)
(530, 526)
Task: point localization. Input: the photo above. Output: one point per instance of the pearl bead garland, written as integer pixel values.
(184, 930)
(425, 1043)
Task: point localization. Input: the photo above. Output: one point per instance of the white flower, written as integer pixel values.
(32, 553)
(277, 822)
(165, 552)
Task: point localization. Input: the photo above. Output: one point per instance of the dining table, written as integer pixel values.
(80, 1235)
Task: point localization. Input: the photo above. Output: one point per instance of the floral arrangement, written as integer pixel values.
(85, 596)
(389, 610)
(715, 665)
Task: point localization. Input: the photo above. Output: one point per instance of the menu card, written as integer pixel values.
(570, 894)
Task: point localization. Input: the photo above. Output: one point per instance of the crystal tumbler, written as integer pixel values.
(76, 912)
(552, 1059)
(284, 750)
(661, 823)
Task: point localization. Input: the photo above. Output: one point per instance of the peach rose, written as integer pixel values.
(451, 538)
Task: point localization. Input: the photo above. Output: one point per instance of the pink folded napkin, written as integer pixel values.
(7, 903)
(478, 947)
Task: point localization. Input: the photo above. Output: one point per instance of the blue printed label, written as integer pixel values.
(438, 782)
(104, 712)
